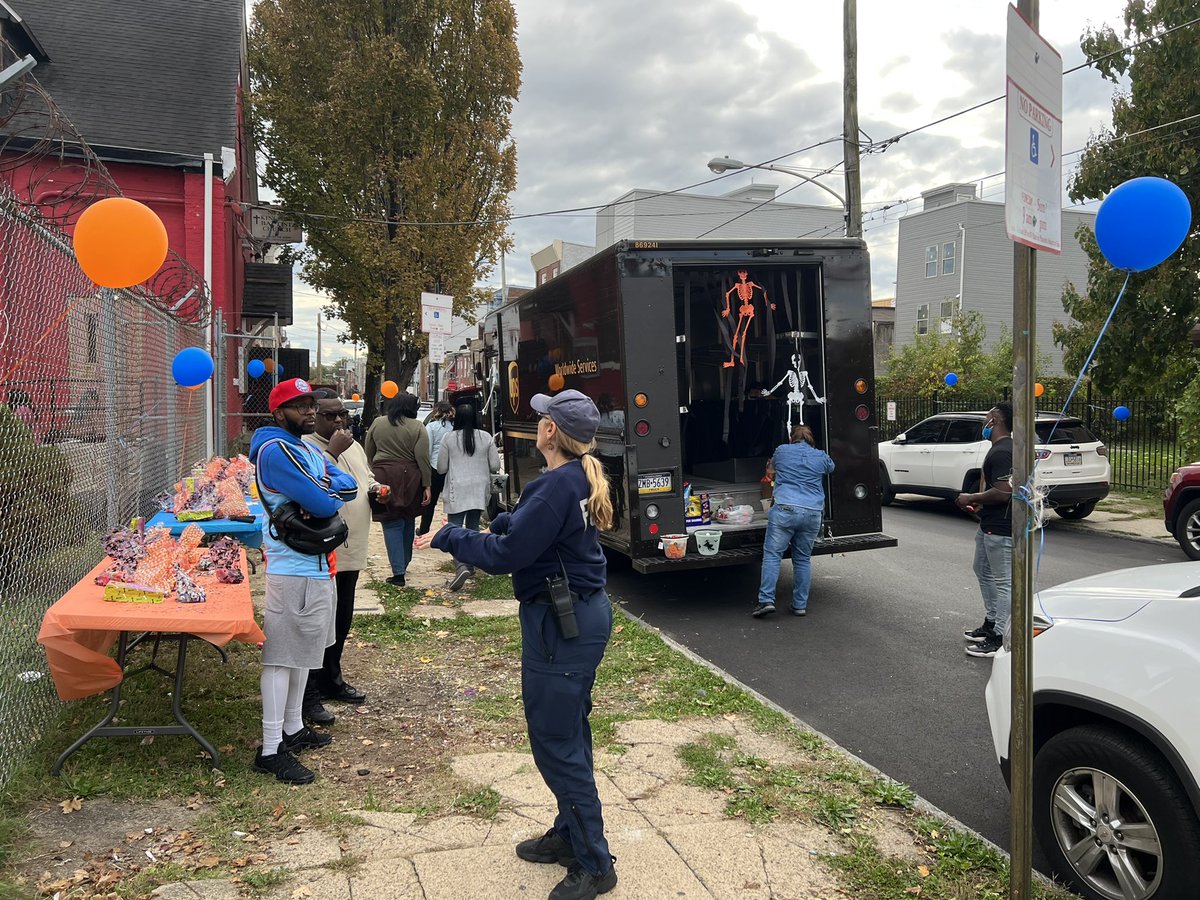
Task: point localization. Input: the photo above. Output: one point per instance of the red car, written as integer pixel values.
(1181, 508)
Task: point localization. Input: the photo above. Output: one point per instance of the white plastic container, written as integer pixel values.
(708, 541)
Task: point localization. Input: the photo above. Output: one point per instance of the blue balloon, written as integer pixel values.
(1121, 413)
(192, 367)
(1142, 222)
(951, 379)
(256, 368)
(279, 369)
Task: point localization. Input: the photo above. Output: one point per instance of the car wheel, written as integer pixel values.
(1112, 817)
(886, 494)
(1078, 511)
(1187, 529)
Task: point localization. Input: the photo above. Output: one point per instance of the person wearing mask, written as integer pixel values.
(467, 460)
(798, 469)
(398, 448)
(334, 440)
(993, 541)
(298, 609)
(552, 535)
(440, 425)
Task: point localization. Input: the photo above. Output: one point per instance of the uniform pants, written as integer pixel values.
(556, 684)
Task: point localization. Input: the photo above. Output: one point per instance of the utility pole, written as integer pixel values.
(1021, 729)
(850, 119)
(320, 372)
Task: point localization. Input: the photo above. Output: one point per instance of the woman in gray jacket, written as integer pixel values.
(467, 457)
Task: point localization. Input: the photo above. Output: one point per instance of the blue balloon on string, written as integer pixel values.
(1122, 413)
(256, 368)
(1142, 222)
(191, 367)
(951, 379)
(279, 369)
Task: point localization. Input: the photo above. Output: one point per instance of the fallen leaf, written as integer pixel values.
(915, 891)
(70, 806)
(618, 628)
(277, 812)
(934, 834)
(207, 862)
(923, 871)
(148, 739)
(300, 893)
(65, 844)
(367, 742)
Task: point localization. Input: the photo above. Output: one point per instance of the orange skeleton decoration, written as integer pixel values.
(745, 292)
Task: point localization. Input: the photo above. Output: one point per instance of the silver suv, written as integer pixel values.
(942, 457)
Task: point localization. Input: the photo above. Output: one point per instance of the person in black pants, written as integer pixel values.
(554, 531)
(440, 424)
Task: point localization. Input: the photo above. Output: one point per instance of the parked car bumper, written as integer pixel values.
(1071, 494)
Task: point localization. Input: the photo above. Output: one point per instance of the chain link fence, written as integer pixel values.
(92, 426)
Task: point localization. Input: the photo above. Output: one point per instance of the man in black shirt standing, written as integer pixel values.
(993, 542)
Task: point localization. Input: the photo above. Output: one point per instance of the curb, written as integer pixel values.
(920, 805)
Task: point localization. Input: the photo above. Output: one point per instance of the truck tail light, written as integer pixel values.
(642, 428)
(640, 400)
(861, 386)
(861, 412)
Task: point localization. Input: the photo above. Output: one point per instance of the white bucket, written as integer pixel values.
(708, 542)
(674, 545)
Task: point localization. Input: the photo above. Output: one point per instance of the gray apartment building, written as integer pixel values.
(748, 213)
(955, 253)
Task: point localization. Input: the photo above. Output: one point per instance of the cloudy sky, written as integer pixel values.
(623, 94)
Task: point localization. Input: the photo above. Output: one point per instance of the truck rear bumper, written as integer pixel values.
(742, 556)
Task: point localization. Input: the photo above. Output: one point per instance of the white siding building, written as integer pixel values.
(955, 252)
(748, 213)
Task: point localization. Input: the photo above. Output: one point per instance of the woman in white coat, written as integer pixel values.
(467, 457)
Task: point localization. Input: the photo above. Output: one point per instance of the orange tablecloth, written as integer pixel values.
(81, 627)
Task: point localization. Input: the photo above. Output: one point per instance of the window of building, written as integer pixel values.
(948, 315)
(948, 258)
(923, 319)
(931, 261)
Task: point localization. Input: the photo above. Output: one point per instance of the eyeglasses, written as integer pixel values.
(302, 408)
(340, 414)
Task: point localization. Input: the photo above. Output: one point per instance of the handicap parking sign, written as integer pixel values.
(1033, 146)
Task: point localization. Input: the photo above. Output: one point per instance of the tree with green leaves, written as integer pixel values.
(1154, 132)
(386, 131)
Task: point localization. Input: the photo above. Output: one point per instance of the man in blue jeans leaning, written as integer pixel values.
(993, 541)
(799, 471)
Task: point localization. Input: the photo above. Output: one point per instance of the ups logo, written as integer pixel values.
(514, 387)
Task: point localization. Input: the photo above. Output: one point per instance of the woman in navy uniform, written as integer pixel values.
(552, 532)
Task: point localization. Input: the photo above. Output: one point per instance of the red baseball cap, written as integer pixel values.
(286, 392)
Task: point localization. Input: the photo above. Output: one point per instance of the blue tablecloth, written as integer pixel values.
(249, 533)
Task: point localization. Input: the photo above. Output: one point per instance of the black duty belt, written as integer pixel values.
(545, 600)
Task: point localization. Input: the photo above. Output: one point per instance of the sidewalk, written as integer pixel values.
(712, 805)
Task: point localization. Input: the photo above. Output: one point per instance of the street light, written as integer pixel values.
(723, 164)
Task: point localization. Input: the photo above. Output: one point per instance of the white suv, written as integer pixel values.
(942, 457)
(1116, 731)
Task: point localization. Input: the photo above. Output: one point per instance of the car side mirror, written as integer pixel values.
(900, 439)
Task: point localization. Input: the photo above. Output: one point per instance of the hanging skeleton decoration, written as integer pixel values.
(797, 380)
(745, 293)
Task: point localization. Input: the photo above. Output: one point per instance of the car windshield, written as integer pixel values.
(1067, 432)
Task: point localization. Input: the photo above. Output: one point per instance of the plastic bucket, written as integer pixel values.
(708, 542)
(674, 545)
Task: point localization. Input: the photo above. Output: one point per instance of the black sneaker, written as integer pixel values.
(549, 848)
(306, 739)
(460, 578)
(317, 714)
(799, 612)
(764, 609)
(344, 693)
(987, 647)
(283, 766)
(581, 885)
(975, 635)
(396, 581)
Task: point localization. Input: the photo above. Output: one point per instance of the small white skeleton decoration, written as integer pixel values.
(797, 380)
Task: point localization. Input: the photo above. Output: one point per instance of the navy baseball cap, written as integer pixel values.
(574, 413)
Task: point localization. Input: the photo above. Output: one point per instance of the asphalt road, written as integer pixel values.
(878, 663)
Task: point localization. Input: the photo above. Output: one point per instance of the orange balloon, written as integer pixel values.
(1038, 389)
(389, 389)
(196, 387)
(268, 364)
(355, 397)
(556, 382)
(120, 242)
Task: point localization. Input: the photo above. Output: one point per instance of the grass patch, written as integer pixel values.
(886, 792)
(484, 803)
(491, 587)
(706, 767)
(261, 879)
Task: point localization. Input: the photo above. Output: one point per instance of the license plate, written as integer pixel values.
(1072, 459)
(654, 483)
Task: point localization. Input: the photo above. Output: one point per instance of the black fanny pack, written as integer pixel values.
(308, 534)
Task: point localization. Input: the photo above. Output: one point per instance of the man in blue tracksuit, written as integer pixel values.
(298, 609)
(554, 530)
